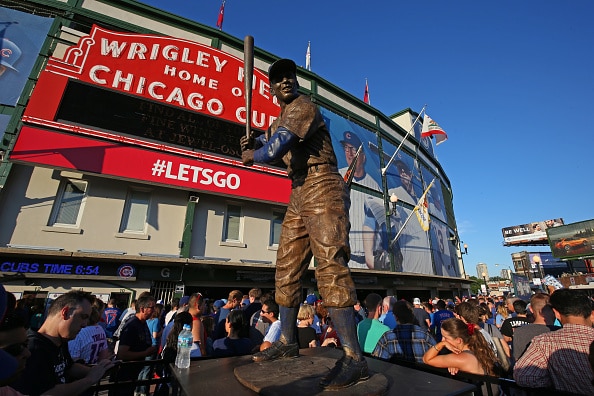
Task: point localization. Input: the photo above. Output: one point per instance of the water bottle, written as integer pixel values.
(184, 345)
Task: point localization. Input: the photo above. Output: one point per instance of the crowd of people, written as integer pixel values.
(544, 343)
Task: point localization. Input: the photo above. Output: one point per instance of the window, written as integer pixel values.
(135, 212)
(68, 204)
(232, 229)
(275, 227)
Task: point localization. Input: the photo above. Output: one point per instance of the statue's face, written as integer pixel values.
(284, 86)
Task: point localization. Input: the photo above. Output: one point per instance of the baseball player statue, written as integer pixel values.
(316, 223)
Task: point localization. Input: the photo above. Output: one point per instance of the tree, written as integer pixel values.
(475, 286)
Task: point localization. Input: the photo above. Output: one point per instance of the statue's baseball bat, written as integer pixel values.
(248, 75)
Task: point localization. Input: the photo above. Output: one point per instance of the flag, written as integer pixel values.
(221, 16)
(366, 94)
(308, 56)
(422, 213)
(431, 128)
(350, 173)
(422, 209)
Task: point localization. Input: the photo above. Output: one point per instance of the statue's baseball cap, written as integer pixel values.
(279, 67)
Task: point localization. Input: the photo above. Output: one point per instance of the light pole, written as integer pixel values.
(465, 249)
(537, 261)
(393, 202)
(486, 286)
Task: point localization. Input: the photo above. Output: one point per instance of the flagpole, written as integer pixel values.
(402, 142)
(308, 56)
(411, 213)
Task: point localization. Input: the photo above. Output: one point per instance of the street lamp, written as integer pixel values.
(393, 202)
(537, 261)
(465, 248)
(486, 286)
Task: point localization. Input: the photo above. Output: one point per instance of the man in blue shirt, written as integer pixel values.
(440, 315)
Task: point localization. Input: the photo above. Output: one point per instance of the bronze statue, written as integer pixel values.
(316, 223)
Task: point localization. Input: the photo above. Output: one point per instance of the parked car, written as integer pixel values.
(571, 243)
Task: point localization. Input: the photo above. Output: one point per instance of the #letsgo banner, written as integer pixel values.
(173, 71)
(63, 150)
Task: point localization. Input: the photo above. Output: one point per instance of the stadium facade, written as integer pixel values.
(121, 165)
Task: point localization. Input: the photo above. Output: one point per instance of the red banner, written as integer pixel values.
(68, 151)
(169, 70)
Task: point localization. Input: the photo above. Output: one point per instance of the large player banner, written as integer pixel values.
(347, 137)
(21, 38)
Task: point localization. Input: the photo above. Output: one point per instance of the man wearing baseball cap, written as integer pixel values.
(316, 223)
(421, 315)
(362, 252)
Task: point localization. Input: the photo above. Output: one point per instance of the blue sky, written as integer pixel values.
(512, 83)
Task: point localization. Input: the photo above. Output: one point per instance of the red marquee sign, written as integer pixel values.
(169, 70)
(68, 151)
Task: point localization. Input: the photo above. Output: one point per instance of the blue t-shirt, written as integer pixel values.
(111, 317)
(388, 319)
(224, 347)
(154, 326)
(439, 317)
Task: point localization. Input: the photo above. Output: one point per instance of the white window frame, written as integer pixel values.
(59, 201)
(128, 210)
(224, 237)
(275, 212)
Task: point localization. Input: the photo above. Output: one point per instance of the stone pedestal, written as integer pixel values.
(301, 376)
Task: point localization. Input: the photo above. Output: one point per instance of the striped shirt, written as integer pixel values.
(558, 359)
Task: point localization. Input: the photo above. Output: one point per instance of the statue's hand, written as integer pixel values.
(246, 142)
(247, 157)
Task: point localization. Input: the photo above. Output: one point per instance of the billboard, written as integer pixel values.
(21, 38)
(574, 240)
(347, 137)
(530, 233)
(521, 287)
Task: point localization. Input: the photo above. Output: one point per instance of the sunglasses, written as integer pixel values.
(15, 349)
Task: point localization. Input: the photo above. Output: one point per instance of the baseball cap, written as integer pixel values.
(402, 165)
(218, 303)
(281, 66)
(245, 301)
(184, 300)
(311, 299)
(417, 301)
(351, 138)
(10, 53)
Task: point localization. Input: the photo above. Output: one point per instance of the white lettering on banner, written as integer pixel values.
(194, 77)
(195, 174)
(185, 75)
(169, 52)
